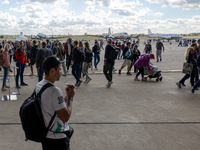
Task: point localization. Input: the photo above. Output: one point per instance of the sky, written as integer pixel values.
(77, 17)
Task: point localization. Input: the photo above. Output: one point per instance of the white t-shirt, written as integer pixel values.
(52, 100)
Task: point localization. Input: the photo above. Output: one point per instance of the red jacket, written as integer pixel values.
(21, 55)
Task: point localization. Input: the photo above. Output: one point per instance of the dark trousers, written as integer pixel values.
(56, 144)
(76, 71)
(141, 71)
(107, 70)
(196, 74)
(187, 76)
(68, 61)
(20, 72)
(132, 63)
(197, 84)
(40, 74)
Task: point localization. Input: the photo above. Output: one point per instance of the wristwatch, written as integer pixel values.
(70, 98)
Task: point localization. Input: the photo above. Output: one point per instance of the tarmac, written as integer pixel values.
(131, 115)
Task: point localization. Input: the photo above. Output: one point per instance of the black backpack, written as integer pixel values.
(32, 118)
(113, 52)
(80, 55)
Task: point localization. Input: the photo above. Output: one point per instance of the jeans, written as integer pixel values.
(122, 54)
(148, 52)
(76, 70)
(5, 75)
(85, 70)
(96, 59)
(158, 54)
(196, 75)
(119, 53)
(197, 84)
(64, 67)
(20, 72)
(40, 74)
(107, 70)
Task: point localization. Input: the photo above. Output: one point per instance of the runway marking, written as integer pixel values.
(119, 123)
(116, 72)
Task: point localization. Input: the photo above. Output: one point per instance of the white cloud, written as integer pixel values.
(105, 3)
(90, 8)
(158, 14)
(5, 2)
(186, 4)
(28, 8)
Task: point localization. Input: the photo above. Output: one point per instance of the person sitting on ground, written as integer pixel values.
(189, 57)
(52, 101)
(143, 61)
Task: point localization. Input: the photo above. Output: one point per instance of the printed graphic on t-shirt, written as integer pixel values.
(60, 100)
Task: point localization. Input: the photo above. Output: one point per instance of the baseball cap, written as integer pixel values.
(109, 40)
(113, 42)
(152, 56)
(50, 62)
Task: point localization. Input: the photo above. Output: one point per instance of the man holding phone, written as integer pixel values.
(52, 101)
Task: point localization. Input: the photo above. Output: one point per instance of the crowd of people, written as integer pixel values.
(75, 54)
(49, 57)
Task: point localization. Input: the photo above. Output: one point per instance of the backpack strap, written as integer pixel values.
(43, 89)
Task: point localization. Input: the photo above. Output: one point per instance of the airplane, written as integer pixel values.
(163, 36)
(44, 36)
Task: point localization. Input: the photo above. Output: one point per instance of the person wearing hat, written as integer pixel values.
(52, 100)
(41, 55)
(144, 60)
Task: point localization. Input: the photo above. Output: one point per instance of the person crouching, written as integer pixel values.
(143, 61)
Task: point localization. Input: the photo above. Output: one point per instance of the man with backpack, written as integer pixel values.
(109, 61)
(33, 53)
(52, 101)
(41, 55)
(78, 56)
(68, 47)
(127, 59)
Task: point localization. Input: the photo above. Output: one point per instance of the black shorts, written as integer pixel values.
(56, 144)
(32, 61)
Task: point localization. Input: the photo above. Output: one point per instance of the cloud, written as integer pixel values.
(105, 3)
(51, 2)
(186, 4)
(28, 8)
(90, 8)
(158, 14)
(5, 2)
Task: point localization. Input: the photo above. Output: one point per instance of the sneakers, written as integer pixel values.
(144, 79)
(88, 80)
(119, 72)
(79, 83)
(192, 89)
(7, 86)
(24, 84)
(178, 84)
(128, 73)
(136, 79)
(109, 84)
(18, 87)
(31, 74)
(183, 84)
(3, 89)
(160, 59)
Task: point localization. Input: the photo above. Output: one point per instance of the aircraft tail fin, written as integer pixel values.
(149, 31)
